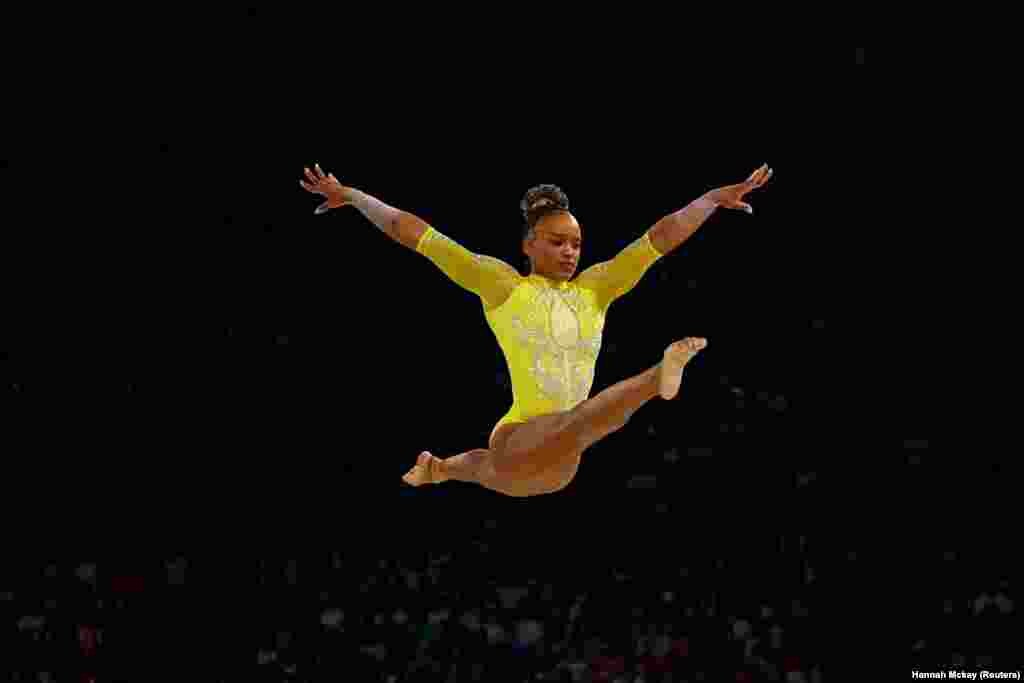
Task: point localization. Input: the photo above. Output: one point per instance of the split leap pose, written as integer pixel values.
(549, 327)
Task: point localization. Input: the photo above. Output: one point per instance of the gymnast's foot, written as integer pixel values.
(427, 470)
(677, 355)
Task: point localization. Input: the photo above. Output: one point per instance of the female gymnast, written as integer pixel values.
(549, 327)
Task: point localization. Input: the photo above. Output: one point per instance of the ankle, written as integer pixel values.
(441, 472)
(469, 466)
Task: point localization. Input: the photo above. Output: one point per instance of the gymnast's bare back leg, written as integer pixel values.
(472, 466)
(525, 451)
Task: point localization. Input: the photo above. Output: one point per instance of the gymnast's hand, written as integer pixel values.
(731, 196)
(327, 186)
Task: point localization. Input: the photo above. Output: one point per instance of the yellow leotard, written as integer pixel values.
(549, 331)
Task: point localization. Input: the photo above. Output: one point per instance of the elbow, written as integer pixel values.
(659, 240)
(407, 229)
(394, 226)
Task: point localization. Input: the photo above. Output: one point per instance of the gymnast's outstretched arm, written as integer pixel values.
(675, 228)
(401, 226)
(489, 278)
(612, 279)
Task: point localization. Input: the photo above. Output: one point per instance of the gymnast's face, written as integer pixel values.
(554, 246)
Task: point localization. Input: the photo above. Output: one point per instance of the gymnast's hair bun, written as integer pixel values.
(541, 200)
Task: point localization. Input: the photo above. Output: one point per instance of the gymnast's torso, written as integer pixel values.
(549, 331)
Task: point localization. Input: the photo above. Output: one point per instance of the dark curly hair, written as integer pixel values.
(538, 202)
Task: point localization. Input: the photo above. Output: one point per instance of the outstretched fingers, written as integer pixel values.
(759, 177)
(695, 344)
(315, 178)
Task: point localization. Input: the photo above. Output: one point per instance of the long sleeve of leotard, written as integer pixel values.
(489, 278)
(612, 279)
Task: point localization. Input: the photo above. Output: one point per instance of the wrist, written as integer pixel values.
(347, 194)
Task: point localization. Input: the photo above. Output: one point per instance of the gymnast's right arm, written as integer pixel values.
(403, 227)
(489, 278)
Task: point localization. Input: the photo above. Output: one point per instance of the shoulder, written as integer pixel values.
(499, 266)
(593, 276)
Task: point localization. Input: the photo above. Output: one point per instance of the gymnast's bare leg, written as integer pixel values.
(541, 455)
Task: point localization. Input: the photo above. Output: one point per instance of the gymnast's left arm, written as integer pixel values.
(612, 279)
(675, 228)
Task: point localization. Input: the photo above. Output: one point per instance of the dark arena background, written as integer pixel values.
(222, 391)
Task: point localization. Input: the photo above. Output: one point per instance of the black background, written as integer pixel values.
(200, 362)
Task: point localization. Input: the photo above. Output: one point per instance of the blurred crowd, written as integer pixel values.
(431, 621)
(462, 587)
(453, 613)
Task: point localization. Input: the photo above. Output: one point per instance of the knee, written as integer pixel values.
(508, 466)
